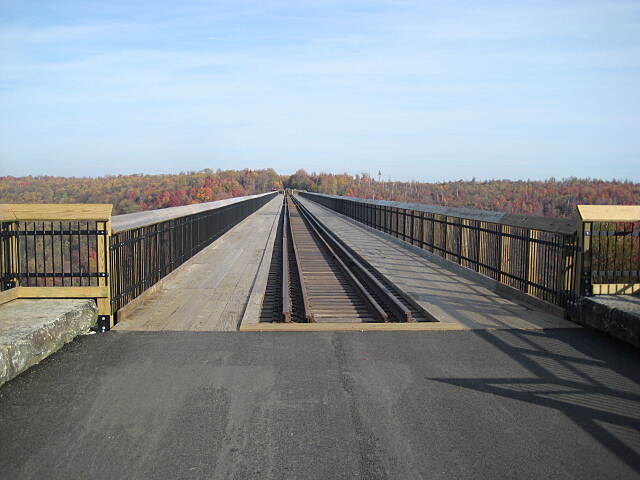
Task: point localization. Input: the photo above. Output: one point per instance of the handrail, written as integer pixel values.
(529, 255)
(128, 221)
(554, 260)
(559, 225)
(11, 212)
(56, 251)
(609, 245)
(147, 246)
(81, 251)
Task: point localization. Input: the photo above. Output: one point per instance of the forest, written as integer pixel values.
(132, 193)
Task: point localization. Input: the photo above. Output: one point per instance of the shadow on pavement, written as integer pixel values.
(595, 393)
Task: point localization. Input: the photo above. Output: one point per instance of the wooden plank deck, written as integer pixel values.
(211, 290)
(442, 292)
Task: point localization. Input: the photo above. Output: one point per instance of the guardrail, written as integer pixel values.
(539, 256)
(81, 251)
(609, 242)
(144, 250)
(55, 251)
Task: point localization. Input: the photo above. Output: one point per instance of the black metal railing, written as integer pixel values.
(531, 254)
(141, 256)
(52, 253)
(611, 262)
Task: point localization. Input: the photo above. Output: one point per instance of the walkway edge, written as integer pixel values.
(125, 312)
(251, 314)
(350, 327)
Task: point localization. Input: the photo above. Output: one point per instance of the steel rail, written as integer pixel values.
(286, 297)
(307, 312)
(374, 306)
(399, 311)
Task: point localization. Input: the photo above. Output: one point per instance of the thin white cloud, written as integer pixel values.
(16, 35)
(328, 81)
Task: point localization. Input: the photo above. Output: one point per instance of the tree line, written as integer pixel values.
(131, 193)
(550, 198)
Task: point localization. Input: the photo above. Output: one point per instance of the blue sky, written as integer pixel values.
(424, 90)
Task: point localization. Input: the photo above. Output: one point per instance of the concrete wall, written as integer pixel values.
(31, 330)
(616, 315)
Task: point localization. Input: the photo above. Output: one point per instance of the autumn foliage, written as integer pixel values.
(552, 198)
(130, 193)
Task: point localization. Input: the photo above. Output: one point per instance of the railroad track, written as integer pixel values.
(320, 280)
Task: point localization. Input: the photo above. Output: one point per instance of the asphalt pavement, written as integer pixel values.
(373, 405)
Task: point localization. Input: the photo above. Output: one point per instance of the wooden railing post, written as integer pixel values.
(582, 285)
(104, 265)
(532, 274)
(505, 254)
(9, 266)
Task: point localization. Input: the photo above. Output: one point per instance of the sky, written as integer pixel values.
(419, 90)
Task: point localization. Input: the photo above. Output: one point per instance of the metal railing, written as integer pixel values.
(55, 251)
(72, 251)
(609, 239)
(534, 255)
(142, 255)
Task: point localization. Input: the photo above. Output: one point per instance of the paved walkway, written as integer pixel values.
(211, 290)
(473, 404)
(441, 292)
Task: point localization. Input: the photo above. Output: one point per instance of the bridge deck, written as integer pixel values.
(442, 292)
(474, 404)
(210, 291)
